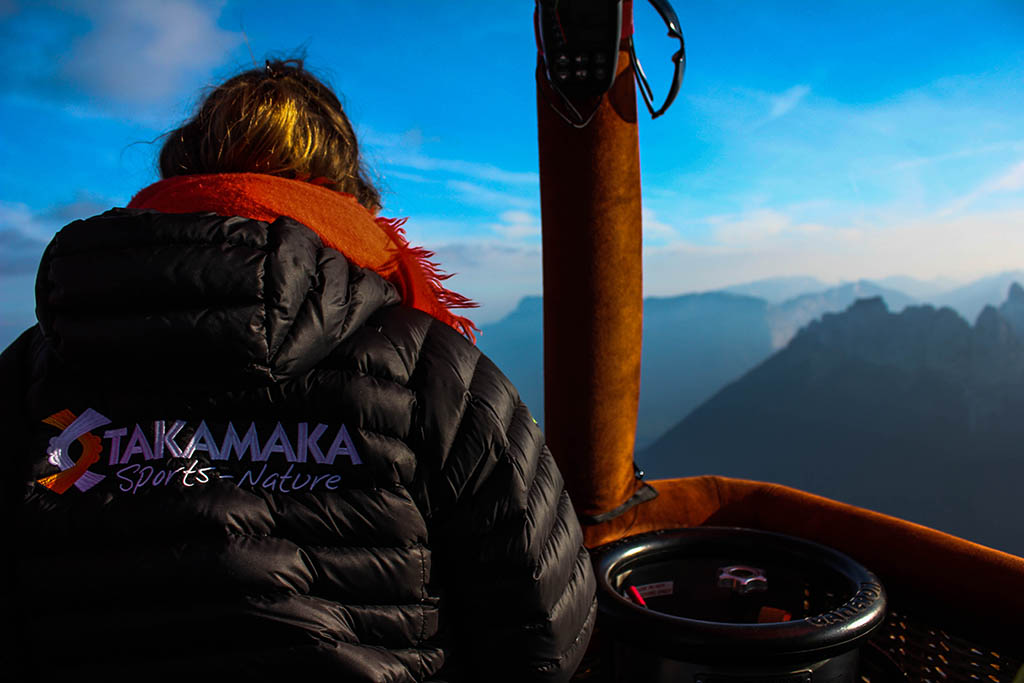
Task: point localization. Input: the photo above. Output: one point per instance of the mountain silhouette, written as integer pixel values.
(970, 299)
(775, 290)
(1012, 309)
(922, 290)
(915, 414)
(693, 344)
(516, 344)
(789, 316)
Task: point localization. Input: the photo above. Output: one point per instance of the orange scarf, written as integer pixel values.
(341, 222)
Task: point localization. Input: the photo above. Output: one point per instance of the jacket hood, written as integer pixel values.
(140, 290)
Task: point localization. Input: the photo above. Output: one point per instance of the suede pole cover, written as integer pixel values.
(593, 292)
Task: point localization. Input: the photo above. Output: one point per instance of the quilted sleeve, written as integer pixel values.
(12, 425)
(509, 550)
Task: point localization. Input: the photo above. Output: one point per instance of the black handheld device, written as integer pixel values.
(579, 44)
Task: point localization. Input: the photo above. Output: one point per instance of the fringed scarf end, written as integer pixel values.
(434, 276)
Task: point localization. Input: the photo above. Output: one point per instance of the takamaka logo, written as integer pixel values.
(157, 445)
(74, 473)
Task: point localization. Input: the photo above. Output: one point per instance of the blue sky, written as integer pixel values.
(835, 139)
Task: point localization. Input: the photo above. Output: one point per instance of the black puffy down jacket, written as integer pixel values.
(229, 454)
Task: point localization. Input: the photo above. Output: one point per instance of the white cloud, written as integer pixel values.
(25, 232)
(17, 216)
(480, 171)
(958, 154)
(1009, 180)
(500, 192)
(17, 299)
(743, 111)
(474, 193)
(404, 150)
(409, 139)
(755, 226)
(145, 52)
(412, 177)
(23, 236)
(40, 226)
(655, 229)
(517, 226)
(769, 226)
(960, 247)
(783, 103)
(1013, 179)
(494, 274)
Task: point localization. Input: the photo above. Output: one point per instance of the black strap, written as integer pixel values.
(642, 495)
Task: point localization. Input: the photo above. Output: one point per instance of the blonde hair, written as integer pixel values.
(279, 120)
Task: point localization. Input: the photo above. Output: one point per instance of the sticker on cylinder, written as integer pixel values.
(653, 590)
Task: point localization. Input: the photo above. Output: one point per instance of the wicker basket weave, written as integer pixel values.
(928, 654)
(903, 649)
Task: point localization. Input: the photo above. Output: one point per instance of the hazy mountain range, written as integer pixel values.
(694, 344)
(917, 414)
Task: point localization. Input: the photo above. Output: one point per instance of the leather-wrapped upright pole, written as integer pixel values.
(593, 292)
